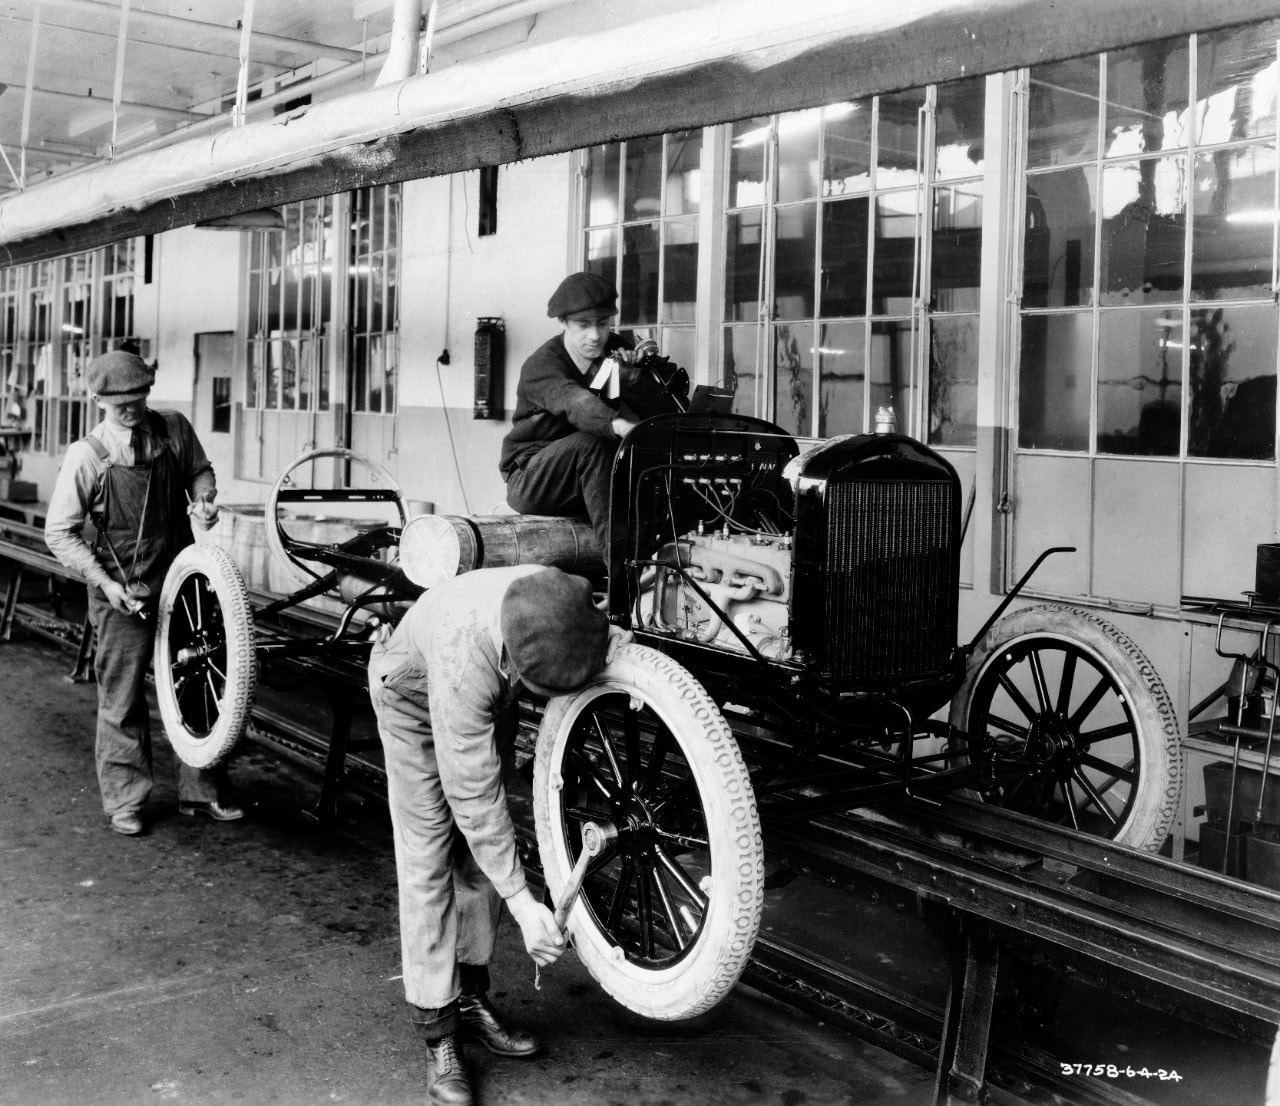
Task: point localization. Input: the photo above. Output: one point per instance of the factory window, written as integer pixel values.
(59, 315)
(640, 203)
(290, 303)
(374, 301)
(1148, 326)
(836, 301)
(1146, 383)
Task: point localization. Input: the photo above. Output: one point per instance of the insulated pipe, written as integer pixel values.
(406, 18)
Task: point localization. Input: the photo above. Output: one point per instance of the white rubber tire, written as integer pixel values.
(706, 972)
(204, 591)
(1050, 629)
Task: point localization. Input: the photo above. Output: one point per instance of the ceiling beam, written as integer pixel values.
(733, 59)
(161, 110)
(179, 26)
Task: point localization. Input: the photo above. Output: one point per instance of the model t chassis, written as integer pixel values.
(825, 701)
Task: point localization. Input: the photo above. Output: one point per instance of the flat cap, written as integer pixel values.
(119, 377)
(583, 292)
(555, 636)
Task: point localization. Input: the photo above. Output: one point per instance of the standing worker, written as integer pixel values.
(443, 688)
(143, 478)
(557, 458)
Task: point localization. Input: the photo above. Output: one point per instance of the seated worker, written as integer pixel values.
(558, 455)
(443, 688)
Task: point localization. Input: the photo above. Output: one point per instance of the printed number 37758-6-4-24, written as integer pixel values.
(1121, 1071)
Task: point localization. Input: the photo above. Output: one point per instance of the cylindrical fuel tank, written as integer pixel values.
(435, 547)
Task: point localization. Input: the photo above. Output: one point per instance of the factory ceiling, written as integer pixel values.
(123, 117)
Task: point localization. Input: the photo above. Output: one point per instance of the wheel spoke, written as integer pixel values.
(1070, 802)
(1019, 700)
(606, 740)
(619, 901)
(681, 877)
(1090, 701)
(662, 742)
(1113, 771)
(685, 839)
(1015, 729)
(1120, 729)
(1065, 686)
(644, 901)
(1095, 798)
(631, 737)
(668, 908)
(587, 769)
(1036, 663)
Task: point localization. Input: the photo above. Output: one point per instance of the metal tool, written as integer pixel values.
(595, 839)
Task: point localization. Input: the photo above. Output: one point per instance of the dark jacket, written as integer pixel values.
(553, 400)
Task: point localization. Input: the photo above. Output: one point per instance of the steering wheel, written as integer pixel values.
(286, 549)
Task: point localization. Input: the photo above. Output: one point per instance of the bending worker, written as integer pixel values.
(143, 478)
(558, 455)
(444, 687)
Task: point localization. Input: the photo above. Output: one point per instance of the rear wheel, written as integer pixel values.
(205, 664)
(669, 912)
(1076, 704)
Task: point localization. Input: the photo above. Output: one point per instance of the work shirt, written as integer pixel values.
(456, 666)
(553, 400)
(80, 488)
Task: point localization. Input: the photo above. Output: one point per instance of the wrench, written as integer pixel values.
(595, 838)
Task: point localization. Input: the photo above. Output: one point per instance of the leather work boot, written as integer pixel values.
(127, 822)
(219, 812)
(447, 1081)
(480, 1023)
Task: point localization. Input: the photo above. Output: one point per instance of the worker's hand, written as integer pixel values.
(203, 511)
(543, 940)
(119, 598)
(618, 637)
(622, 426)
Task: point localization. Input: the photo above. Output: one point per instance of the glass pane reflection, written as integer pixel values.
(953, 380)
(1063, 112)
(1140, 382)
(1058, 239)
(798, 155)
(1233, 382)
(793, 377)
(844, 257)
(957, 247)
(1234, 217)
(638, 289)
(841, 378)
(642, 190)
(684, 173)
(1054, 381)
(741, 367)
(846, 148)
(1143, 230)
(742, 266)
(1146, 101)
(680, 270)
(960, 121)
(1236, 83)
(889, 368)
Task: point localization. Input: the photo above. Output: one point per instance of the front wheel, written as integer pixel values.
(1072, 702)
(205, 664)
(669, 912)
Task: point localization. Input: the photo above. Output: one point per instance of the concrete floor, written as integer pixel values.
(257, 962)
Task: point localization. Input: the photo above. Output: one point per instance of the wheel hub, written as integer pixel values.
(1053, 744)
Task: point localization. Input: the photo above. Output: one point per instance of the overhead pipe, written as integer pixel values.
(406, 19)
(732, 59)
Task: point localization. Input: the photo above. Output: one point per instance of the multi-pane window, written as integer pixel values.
(832, 291)
(16, 383)
(374, 300)
(1149, 252)
(641, 200)
(290, 304)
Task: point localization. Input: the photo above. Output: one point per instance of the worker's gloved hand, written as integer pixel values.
(203, 512)
(542, 937)
(120, 597)
(618, 637)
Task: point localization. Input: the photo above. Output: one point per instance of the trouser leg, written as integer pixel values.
(122, 747)
(568, 477)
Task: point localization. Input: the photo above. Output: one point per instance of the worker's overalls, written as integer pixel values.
(142, 527)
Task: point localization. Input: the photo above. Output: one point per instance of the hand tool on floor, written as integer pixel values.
(595, 838)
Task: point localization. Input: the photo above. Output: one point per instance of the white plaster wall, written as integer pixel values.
(450, 277)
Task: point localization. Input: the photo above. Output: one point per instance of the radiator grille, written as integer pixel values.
(891, 586)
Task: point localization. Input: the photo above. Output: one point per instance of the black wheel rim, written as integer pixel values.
(648, 892)
(1059, 718)
(197, 641)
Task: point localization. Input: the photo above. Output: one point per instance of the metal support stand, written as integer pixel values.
(973, 954)
(335, 761)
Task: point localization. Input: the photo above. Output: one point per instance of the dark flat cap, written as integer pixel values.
(119, 377)
(555, 636)
(583, 292)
